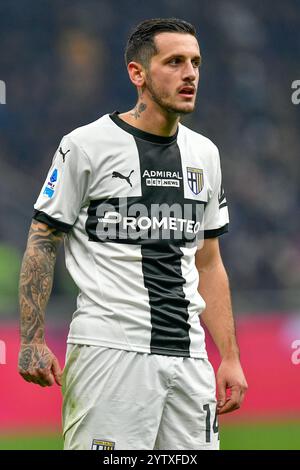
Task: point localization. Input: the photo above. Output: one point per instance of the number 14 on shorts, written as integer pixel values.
(215, 426)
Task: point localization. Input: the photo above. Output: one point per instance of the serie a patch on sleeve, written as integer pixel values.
(100, 444)
(51, 183)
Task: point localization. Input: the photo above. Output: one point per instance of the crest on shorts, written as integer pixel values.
(100, 444)
(195, 179)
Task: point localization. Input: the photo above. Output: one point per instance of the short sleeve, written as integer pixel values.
(216, 217)
(65, 188)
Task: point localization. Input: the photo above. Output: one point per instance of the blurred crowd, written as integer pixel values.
(63, 66)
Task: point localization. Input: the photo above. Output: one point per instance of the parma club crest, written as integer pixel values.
(195, 179)
(100, 444)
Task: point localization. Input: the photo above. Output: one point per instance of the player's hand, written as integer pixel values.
(231, 386)
(38, 364)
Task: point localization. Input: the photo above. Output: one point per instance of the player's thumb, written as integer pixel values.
(56, 370)
(221, 393)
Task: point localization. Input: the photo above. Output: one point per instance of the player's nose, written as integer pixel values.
(190, 72)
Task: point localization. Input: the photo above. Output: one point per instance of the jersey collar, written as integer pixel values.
(156, 139)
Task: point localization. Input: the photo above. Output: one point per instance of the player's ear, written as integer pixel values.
(136, 74)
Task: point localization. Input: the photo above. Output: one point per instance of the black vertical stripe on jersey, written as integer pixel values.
(161, 265)
(161, 260)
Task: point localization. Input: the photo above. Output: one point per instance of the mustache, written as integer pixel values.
(188, 84)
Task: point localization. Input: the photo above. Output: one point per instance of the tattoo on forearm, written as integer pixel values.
(140, 107)
(36, 281)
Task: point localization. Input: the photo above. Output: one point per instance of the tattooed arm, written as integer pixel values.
(36, 362)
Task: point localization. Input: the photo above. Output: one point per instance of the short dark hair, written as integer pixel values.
(141, 46)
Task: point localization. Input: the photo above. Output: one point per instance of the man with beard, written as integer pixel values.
(138, 199)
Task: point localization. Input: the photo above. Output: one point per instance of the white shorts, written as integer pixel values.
(115, 399)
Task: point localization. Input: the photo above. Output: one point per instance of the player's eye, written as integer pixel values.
(196, 63)
(174, 61)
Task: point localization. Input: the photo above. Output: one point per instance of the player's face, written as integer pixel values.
(173, 75)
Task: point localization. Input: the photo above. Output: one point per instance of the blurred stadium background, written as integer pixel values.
(62, 62)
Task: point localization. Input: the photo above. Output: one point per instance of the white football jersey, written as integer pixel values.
(135, 207)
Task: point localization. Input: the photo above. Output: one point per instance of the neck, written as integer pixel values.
(150, 117)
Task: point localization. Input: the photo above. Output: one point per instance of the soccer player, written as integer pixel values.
(138, 199)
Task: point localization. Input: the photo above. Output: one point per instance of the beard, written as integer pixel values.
(162, 99)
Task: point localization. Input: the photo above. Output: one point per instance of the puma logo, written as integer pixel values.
(116, 174)
(63, 153)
